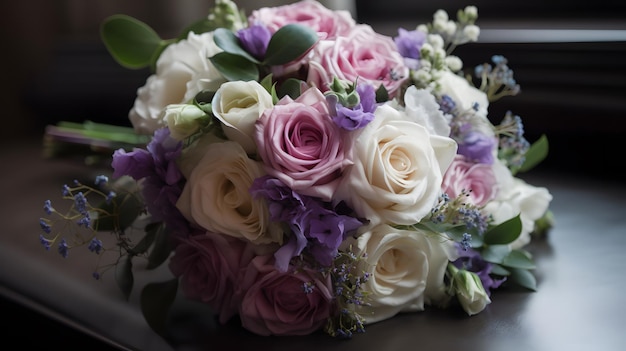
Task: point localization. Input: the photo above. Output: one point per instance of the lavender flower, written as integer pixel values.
(357, 116)
(255, 39)
(472, 261)
(409, 44)
(477, 147)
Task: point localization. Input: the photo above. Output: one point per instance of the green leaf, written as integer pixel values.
(132, 43)
(161, 249)
(289, 43)
(234, 67)
(228, 41)
(156, 300)
(523, 278)
(499, 270)
(201, 26)
(495, 253)
(124, 275)
(519, 259)
(504, 233)
(537, 152)
(382, 95)
(144, 244)
(291, 87)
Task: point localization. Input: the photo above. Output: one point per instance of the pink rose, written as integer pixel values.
(363, 54)
(301, 145)
(290, 303)
(327, 23)
(208, 265)
(478, 178)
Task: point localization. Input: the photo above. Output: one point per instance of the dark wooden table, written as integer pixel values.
(579, 304)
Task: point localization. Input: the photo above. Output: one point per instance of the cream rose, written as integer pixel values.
(398, 169)
(238, 105)
(217, 198)
(514, 197)
(406, 270)
(182, 71)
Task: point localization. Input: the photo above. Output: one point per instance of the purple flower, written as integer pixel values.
(358, 116)
(315, 225)
(162, 178)
(409, 44)
(255, 39)
(471, 260)
(477, 147)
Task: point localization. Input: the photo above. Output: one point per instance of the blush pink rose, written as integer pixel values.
(363, 54)
(327, 23)
(283, 303)
(301, 145)
(478, 178)
(208, 265)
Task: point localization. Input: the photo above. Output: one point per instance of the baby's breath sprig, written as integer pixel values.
(81, 223)
(513, 145)
(348, 275)
(496, 81)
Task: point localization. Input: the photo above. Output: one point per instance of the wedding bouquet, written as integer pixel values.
(304, 172)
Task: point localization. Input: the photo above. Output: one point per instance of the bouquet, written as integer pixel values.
(303, 172)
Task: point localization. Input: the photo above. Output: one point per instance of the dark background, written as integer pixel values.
(55, 68)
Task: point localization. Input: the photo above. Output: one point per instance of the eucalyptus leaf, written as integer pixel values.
(156, 300)
(124, 275)
(148, 239)
(289, 43)
(228, 41)
(504, 233)
(132, 43)
(519, 259)
(382, 95)
(234, 67)
(203, 25)
(537, 152)
(499, 270)
(495, 253)
(523, 278)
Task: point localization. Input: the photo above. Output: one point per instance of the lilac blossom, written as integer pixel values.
(255, 39)
(316, 226)
(352, 118)
(162, 184)
(477, 147)
(472, 261)
(409, 44)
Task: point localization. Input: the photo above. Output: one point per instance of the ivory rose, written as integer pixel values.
(476, 178)
(329, 24)
(283, 303)
(406, 270)
(362, 55)
(238, 105)
(216, 196)
(183, 120)
(208, 265)
(301, 145)
(398, 169)
(182, 71)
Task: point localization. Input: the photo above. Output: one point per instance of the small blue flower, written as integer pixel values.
(80, 201)
(466, 242)
(63, 248)
(101, 179)
(45, 242)
(95, 245)
(48, 207)
(308, 287)
(66, 190)
(45, 226)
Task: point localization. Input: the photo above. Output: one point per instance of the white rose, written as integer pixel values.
(238, 105)
(398, 169)
(217, 197)
(406, 270)
(514, 197)
(183, 120)
(463, 93)
(182, 71)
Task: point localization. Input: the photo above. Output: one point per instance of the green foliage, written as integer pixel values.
(124, 275)
(537, 152)
(132, 43)
(234, 67)
(288, 44)
(504, 233)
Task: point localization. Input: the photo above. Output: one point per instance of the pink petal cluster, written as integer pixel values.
(477, 178)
